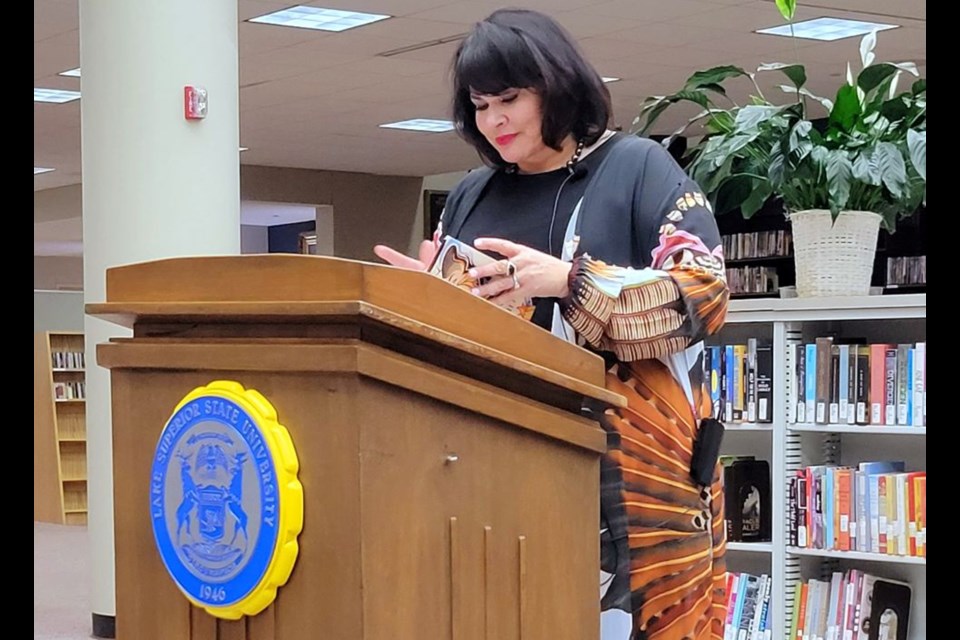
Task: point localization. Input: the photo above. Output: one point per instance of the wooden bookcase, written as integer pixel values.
(59, 429)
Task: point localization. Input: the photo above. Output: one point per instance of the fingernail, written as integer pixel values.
(472, 273)
(475, 292)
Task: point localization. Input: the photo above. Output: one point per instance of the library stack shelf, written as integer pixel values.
(59, 429)
(870, 348)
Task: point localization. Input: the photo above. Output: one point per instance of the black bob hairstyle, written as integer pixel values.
(523, 49)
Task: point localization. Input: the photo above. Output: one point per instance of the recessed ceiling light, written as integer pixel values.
(319, 18)
(73, 73)
(421, 124)
(54, 95)
(37, 170)
(828, 29)
(242, 149)
(609, 79)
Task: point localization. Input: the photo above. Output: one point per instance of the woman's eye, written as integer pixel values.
(479, 107)
(508, 99)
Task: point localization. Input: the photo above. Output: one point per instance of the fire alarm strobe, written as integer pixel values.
(194, 103)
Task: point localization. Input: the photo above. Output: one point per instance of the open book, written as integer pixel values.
(453, 262)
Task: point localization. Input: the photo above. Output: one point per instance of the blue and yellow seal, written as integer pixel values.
(225, 501)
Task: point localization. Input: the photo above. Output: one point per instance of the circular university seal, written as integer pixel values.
(225, 501)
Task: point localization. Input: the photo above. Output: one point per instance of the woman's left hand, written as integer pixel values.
(534, 274)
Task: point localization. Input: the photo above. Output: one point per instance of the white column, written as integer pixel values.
(155, 185)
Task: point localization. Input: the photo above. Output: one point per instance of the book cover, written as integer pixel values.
(452, 263)
(747, 501)
(889, 610)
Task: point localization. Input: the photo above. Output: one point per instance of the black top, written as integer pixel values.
(520, 207)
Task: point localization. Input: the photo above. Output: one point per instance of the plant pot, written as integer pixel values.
(834, 258)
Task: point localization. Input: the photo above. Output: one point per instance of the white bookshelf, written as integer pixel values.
(788, 446)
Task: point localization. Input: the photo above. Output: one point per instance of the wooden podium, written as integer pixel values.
(450, 478)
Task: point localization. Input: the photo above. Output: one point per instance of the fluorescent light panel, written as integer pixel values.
(57, 96)
(828, 29)
(421, 124)
(609, 79)
(72, 73)
(319, 18)
(37, 170)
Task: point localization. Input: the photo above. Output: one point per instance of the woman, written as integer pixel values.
(620, 252)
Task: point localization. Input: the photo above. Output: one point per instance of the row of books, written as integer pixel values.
(752, 280)
(853, 382)
(76, 390)
(874, 507)
(68, 359)
(852, 605)
(906, 270)
(740, 381)
(748, 607)
(757, 244)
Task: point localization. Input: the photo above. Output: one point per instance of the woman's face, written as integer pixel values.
(511, 122)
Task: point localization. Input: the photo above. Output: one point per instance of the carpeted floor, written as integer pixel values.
(61, 582)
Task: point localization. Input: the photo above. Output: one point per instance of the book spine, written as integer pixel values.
(822, 350)
(903, 363)
(863, 385)
(833, 409)
(877, 383)
(919, 377)
(751, 376)
(890, 386)
(765, 383)
(810, 379)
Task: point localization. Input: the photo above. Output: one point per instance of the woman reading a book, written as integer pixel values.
(619, 252)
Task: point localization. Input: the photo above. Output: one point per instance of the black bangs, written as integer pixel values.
(494, 59)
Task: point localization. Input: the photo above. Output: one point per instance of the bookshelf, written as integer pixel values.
(59, 429)
(789, 446)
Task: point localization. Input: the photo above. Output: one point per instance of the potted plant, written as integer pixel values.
(839, 178)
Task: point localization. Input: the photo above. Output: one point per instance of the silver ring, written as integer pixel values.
(511, 269)
(516, 280)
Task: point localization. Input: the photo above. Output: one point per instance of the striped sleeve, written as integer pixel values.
(651, 312)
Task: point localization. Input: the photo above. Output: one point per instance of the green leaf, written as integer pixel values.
(732, 193)
(749, 117)
(713, 76)
(796, 72)
(918, 87)
(893, 170)
(799, 134)
(839, 171)
(917, 144)
(787, 8)
(871, 77)
(845, 109)
(866, 168)
(753, 202)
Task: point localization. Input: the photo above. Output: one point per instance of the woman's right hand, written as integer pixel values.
(428, 249)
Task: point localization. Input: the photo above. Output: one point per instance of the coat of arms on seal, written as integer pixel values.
(225, 501)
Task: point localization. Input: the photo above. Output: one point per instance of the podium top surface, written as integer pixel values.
(301, 289)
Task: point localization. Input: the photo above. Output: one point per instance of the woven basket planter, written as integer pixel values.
(834, 258)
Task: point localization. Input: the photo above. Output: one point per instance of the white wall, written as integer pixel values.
(57, 311)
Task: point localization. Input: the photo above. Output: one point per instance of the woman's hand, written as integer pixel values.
(428, 249)
(534, 274)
